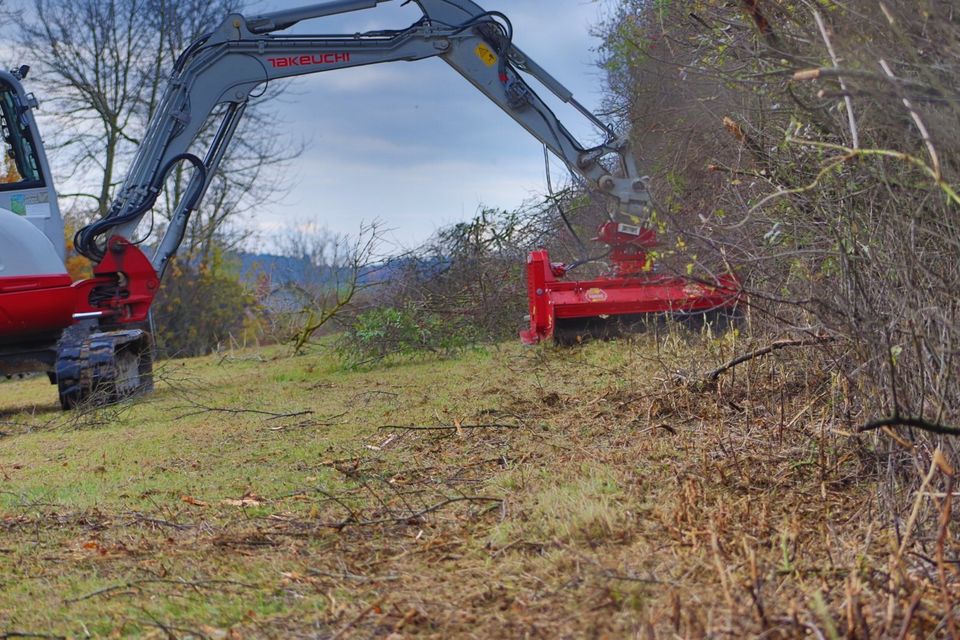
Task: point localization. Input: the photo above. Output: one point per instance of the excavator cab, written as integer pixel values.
(33, 278)
(26, 189)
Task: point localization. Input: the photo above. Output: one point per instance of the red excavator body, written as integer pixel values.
(121, 291)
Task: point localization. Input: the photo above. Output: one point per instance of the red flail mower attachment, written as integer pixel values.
(570, 311)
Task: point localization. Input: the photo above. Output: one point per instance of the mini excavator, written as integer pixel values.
(90, 336)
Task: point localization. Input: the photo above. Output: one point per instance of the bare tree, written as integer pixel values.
(102, 66)
(317, 251)
(340, 268)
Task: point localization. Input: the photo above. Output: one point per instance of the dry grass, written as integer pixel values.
(584, 493)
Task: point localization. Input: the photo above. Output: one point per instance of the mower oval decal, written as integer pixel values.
(694, 290)
(595, 295)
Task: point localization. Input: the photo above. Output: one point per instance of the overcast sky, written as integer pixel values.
(412, 143)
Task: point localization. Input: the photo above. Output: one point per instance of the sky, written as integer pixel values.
(413, 144)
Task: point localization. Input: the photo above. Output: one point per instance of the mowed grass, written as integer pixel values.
(509, 492)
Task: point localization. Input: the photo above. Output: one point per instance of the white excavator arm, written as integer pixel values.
(236, 60)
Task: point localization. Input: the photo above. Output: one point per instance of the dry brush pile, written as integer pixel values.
(812, 146)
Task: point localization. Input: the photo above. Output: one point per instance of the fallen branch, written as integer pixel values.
(450, 428)
(916, 423)
(770, 348)
(141, 518)
(137, 583)
(354, 577)
(271, 415)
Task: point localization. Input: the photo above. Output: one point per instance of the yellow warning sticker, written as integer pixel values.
(484, 53)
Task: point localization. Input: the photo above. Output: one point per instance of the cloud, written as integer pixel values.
(414, 143)
(413, 199)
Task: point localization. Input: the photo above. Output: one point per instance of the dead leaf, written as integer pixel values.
(807, 74)
(245, 501)
(193, 501)
(214, 633)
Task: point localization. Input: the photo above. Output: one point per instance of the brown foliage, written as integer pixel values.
(199, 308)
(842, 222)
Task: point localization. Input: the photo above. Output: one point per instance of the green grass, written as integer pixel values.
(263, 495)
(180, 456)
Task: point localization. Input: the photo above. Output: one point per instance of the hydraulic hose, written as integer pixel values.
(85, 240)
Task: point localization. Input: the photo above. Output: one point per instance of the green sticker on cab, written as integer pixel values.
(18, 205)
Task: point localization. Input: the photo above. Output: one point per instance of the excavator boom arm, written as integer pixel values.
(229, 65)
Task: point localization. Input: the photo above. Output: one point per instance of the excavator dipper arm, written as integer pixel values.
(236, 61)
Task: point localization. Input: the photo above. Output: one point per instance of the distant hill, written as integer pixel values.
(283, 270)
(280, 269)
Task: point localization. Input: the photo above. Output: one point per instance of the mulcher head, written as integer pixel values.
(628, 299)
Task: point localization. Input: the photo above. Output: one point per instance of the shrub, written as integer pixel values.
(198, 308)
(382, 332)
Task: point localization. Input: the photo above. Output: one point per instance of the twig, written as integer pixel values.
(849, 154)
(833, 163)
(612, 575)
(329, 421)
(416, 515)
(780, 344)
(907, 619)
(352, 515)
(945, 516)
(28, 634)
(854, 134)
(905, 421)
(816, 73)
(363, 614)
(934, 156)
(169, 629)
(915, 512)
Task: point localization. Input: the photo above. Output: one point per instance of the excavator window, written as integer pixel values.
(19, 167)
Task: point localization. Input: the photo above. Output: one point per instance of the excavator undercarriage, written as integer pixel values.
(103, 367)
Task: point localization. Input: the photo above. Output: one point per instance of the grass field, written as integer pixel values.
(510, 492)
